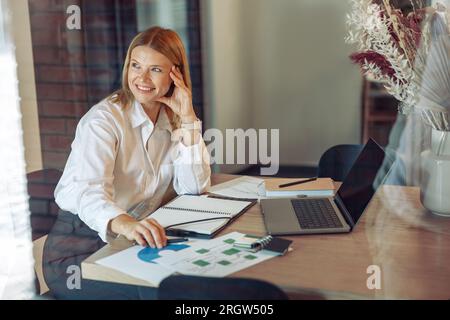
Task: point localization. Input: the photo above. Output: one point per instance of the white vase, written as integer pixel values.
(435, 174)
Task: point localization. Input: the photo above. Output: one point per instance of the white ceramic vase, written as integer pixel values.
(435, 174)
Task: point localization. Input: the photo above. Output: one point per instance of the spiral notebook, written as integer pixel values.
(199, 216)
(253, 243)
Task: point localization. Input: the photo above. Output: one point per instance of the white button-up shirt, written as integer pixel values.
(120, 158)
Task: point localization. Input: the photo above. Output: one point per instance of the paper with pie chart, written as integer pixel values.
(215, 258)
(138, 261)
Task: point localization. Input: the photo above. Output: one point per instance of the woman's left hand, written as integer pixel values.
(181, 100)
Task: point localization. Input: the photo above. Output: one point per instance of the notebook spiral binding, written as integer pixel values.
(198, 210)
(264, 241)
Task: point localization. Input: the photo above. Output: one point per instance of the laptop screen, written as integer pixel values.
(363, 179)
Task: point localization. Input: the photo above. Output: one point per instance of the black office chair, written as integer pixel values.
(337, 161)
(181, 287)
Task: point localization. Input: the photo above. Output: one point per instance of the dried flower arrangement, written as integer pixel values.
(409, 54)
(392, 47)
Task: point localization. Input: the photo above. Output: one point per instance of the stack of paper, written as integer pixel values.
(256, 188)
(244, 187)
(323, 187)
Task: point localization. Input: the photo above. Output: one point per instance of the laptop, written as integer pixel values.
(338, 214)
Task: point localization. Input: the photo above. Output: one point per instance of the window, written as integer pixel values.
(170, 14)
(16, 267)
(75, 69)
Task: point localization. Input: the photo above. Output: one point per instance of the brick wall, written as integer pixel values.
(75, 69)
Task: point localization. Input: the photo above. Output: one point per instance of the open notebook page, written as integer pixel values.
(189, 208)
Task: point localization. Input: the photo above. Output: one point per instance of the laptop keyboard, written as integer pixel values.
(315, 213)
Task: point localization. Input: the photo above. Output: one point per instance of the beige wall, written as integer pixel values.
(228, 105)
(283, 64)
(27, 90)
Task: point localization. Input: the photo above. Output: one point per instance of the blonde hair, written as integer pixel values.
(166, 42)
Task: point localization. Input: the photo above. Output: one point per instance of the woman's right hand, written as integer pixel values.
(147, 232)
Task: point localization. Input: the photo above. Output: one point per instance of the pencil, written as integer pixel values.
(296, 182)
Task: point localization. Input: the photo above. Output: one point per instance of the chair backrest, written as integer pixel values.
(337, 161)
(43, 215)
(181, 287)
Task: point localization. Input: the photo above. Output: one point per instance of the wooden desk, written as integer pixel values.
(410, 245)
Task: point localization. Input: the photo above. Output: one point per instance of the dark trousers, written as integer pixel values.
(68, 244)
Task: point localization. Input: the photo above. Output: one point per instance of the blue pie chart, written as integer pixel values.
(149, 254)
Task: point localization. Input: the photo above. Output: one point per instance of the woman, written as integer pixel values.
(127, 150)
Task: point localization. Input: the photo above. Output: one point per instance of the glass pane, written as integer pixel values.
(170, 14)
(2, 29)
(16, 260)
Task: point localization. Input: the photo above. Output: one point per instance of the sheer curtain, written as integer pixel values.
(16, 258)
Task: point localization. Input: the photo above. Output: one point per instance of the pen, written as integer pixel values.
(183, 233)
(296, 182)
(175, 240)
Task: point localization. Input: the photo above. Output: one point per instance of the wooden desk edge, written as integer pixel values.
(91, 270)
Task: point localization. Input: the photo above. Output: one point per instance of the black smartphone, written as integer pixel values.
(170, 91)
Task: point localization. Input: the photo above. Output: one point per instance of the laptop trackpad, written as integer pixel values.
(279, 216)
